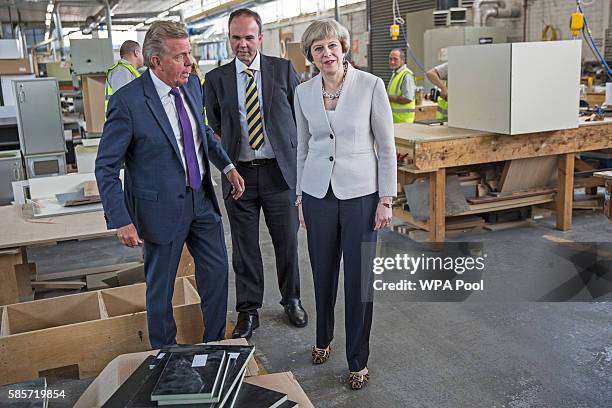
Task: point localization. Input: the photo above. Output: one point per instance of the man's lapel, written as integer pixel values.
(155, 105)
(267, 80)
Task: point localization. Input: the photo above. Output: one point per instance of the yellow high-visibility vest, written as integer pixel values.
(402, 112)
(109, 90)
(442, 110)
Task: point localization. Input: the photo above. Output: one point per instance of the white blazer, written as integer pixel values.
(357, 156)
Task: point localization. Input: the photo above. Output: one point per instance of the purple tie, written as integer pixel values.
(191, 160)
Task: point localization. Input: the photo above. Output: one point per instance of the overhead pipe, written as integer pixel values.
(59, 32)
(476, 9)
(109, 24)
(512, 12)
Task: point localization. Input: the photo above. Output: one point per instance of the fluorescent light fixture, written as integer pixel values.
(50, 8)
(177, 7)
(139, 25)
(163, 14)
(150, 20)
(47, 23)
(48, 16)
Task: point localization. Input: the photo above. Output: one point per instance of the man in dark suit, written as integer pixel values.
(155, 128)
(249, 103)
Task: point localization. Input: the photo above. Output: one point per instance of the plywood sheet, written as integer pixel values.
(20, 231)
(529, 174)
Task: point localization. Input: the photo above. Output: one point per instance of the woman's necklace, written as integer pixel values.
(335, 95)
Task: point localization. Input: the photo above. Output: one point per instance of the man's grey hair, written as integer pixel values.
(322, 29)
(401, 53)
(157, 34)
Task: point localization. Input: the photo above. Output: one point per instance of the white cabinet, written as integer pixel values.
(514, 88)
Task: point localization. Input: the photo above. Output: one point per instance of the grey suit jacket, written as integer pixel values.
(357, 156)
(279, 81)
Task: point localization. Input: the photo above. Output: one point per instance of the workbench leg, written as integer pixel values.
(437, 205)
(565, 195)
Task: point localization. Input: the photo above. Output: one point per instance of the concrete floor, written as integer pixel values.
(430, 354)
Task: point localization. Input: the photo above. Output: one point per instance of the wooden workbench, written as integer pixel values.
(435, 148)
(19, 231)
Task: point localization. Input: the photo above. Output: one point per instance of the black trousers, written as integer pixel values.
(336, 229)
(265, 188)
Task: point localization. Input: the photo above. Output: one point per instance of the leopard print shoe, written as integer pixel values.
(319, 356)
(358, 381)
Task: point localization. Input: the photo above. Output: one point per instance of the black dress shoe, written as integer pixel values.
(245, 326)
(296, 313)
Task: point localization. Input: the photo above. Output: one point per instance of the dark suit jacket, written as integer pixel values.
(279, 81)
(137, 131)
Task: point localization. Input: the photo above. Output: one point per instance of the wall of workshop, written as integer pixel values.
(352, 17)
(557, 14)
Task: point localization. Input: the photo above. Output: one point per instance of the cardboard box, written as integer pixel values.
(285, 383)
(119, 370)
(15, 66)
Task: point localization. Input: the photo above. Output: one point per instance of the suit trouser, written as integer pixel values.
(201, 228)
(265, 188)
(336, 229)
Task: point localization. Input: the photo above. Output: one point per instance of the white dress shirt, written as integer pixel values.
(242, 78)
(167, 100)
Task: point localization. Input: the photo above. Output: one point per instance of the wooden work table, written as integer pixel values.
(433, 149)
(19, 231)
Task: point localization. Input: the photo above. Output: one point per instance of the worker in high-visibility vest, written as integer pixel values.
(125, 70)
(438, 76)
(401, 89)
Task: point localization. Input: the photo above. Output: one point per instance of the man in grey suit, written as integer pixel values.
(249, 104)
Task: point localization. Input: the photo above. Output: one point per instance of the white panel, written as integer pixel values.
(545, 86)
(44, 187)
(479, 87)
(271, 43)
(8, 90)
(298, 30)
(10, 49)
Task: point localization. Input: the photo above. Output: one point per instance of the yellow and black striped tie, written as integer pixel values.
(254, 118)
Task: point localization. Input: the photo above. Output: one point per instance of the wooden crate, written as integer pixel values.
(9, 288)
(86, 330)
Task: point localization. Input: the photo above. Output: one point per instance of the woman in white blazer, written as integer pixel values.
(346, 180)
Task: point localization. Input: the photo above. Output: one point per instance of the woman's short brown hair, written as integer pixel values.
(322, 29)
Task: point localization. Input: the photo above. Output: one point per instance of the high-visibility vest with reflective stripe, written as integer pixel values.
(109, 90)
(442, 110)
(402, 112)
